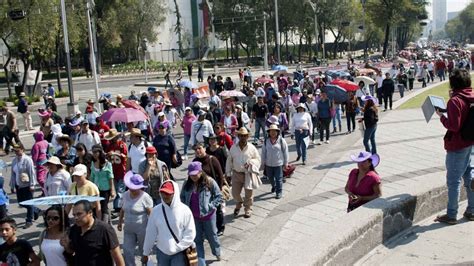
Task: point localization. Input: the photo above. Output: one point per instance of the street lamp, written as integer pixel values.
(71, 106)
(313, 6)
(161, 51)
(277, 32)
(92, 53)
(144, 48)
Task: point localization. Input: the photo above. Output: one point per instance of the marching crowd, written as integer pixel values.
(132, 165)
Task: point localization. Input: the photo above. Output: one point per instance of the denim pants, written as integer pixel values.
(206, 229)
(369, 134)
(350, 117)
(259, 125)
(275, 174)
(186, 144)
(23, 194)
(337, 118)
(324, 126)
(441, 75)
(458, 165)
(120, 188)
(133, 235)
(178, 259)
(300, 145)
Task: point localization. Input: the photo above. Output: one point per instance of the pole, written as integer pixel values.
(68, 55)
(265, 49)
(315, 31)
(277, 32)
(324, 40)
(214, 43)
(146, 69)
(92, 54)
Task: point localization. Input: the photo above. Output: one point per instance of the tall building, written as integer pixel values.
(452, 15)
(440, 14)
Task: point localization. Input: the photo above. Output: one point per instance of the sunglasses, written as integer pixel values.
(52, 218)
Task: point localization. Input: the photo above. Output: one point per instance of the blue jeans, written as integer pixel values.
(208, 230)
(186, 144)
(338, 118)
(458, 165)
(275, 174)
(259, 125)
(178, 259)
(23, 194)
(300, 145)
(369, 134)
(119, 190)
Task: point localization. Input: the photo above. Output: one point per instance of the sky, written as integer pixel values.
(453, 5)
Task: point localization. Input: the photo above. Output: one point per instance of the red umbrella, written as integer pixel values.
(124, 115)
(133, 104)
(264, 80)
(345, 84)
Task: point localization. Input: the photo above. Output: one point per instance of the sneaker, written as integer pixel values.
(218, 258)
(278, 196)
(446, 219)
(273, 189)
(298, 158)
(327, 142)
(114, 216)
(469, 216)
(27, 225)
(248, 214)
(220, 232)
(304, 163)
(315, 142)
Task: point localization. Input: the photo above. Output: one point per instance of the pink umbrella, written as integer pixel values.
(264, 80)
(124, 115)
(232, 93)
(345, 84)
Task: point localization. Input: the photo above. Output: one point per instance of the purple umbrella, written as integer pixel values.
(123, 115)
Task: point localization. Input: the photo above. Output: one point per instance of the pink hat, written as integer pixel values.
(44, 113)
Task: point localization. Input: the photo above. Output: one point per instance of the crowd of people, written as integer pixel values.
(130, 165)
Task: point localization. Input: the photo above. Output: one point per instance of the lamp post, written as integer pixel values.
(71, 106)
(277, 32)
(265, 49)
(92, 54)
(161, 51)
(144, 48)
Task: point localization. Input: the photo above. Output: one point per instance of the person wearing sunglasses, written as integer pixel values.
(57, 224)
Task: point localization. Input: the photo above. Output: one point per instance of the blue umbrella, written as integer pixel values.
(279, 67)
(336, 93)
(187, 84)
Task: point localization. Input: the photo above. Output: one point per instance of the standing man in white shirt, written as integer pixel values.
(200, 129)
(136, 150)
(87, 136)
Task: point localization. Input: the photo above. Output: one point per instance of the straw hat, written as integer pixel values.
(113, 133)
(273, 127)
(242, 131)
(136, 132)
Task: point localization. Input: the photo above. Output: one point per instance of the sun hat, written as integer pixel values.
(167, 102)
(79, 170)
(75, 122)
(300, 105)
(22, 94)
(194, 168)
(78, 112)
(54, 160)
(273, 127)
(161, 114)
(150, 150)
(133, 181)
(242, 131)
(136, 132)
(43, 113)
(369, 97)
(364, 155)
(111, 134)
(167, 188)
(238, 106)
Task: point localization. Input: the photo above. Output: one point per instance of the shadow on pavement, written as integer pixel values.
(332, 165)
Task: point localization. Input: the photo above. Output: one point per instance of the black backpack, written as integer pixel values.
(467, 128)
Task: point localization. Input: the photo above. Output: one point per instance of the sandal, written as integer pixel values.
(236, 212)
(446, 219)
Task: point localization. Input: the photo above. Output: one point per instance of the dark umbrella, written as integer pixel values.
(336, 93)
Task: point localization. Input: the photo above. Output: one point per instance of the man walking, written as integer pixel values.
(242, 160)
(92, 241)
(23, 110)
(15, 251)
(87, 136)
(458, 148)
(388, 87)
(10, 130)
(259, 114)
(171, 227)
(200, 129)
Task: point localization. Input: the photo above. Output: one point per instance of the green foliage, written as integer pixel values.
(460, 28)
(61, 94)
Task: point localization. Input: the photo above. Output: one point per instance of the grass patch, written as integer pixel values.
(441, 90)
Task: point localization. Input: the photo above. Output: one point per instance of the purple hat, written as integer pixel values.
(164, 124)
(133, 181)
(75, 122)
(369, 97)
(363, 155)
(194, 168)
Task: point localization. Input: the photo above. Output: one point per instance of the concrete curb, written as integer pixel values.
(415, 93)
(378, 221)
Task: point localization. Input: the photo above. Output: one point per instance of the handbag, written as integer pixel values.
(179, 160)
(288, 171)
(190, 252)
(225, 190)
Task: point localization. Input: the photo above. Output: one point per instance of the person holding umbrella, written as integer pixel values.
(57, 224)
(135, 210)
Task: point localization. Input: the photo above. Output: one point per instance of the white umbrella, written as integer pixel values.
(365, 79)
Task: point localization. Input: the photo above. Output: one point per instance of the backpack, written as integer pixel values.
(467, 128)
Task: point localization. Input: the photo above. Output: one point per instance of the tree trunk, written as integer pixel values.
(5, 67)
(385, 42)
(58, 71)
(40, 68)
(299, 47)
(26, 66)
(286, 45)
(227, 49)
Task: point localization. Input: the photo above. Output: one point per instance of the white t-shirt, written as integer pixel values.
(53, 252)
(137, 154)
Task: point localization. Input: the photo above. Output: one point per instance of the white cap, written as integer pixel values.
(78, 112)
(187, 108)
(79, 170)
(161, 114)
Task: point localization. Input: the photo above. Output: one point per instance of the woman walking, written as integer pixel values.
(275, 159)
(324, 114)
(282, 119)
(301, 127)
(102, 175)
(364, 182)
(58, 179)
(154, 172)
(51, 252)
(352, 106)
(370, 119)
(202, 194)
(135, 210)
(39, 155)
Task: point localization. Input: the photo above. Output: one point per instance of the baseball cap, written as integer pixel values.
(167, 188)
(79, 170)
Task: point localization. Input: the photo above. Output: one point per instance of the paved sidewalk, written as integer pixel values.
(427, 242)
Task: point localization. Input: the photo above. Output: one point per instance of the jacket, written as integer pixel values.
(458, 109)
(388, 86)
(209, 198)
(181, 221)
(39, 150)
(274, 155)
(26, 166)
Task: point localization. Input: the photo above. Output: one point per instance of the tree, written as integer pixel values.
(459, 29)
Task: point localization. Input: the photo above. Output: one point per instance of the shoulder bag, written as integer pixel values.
(190, 252)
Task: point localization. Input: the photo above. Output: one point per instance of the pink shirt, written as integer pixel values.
(365, 187)
(186, 124)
